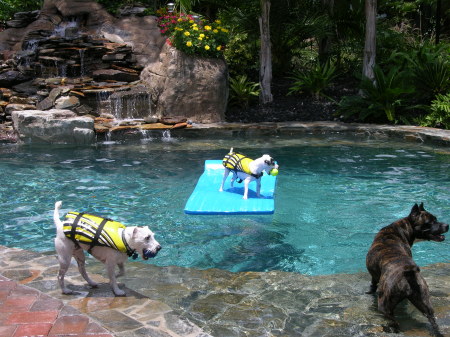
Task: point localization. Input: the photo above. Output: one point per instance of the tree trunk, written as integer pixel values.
(265, 72)
(370, 39)
(325, 42)
(438, 20)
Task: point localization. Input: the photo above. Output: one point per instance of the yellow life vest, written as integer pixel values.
(239, 162)
(95, 231)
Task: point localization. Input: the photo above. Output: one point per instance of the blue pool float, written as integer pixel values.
(207, 200)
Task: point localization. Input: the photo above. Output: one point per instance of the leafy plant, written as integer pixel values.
(430, 69)
(9, 7)
(314, 81)
(194, 37)
(439, 115)
(243, 91)
(380, 98)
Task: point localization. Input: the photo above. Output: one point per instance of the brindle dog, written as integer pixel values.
(393, 270)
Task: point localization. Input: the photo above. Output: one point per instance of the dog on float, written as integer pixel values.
(108, 241)
(395, 275)
(247, 170)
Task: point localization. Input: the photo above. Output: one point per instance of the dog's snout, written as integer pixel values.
(158, 248)
(445, 227)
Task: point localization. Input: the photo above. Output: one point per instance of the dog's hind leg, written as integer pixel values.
(64, 255)
(80, 258)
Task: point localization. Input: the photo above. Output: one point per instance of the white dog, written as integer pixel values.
(247, 170)
(108, 241)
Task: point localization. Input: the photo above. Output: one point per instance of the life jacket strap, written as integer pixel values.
(73, 230)
(99, 231)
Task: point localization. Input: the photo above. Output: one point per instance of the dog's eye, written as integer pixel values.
(148, 237)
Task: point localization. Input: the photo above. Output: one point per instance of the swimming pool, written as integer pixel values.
(333, 194)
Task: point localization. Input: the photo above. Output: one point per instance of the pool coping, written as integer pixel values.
(409, 133)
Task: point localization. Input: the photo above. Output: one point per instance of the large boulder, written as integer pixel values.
(182, 85)
(53, 126)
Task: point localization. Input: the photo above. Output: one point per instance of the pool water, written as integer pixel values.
(333, 194)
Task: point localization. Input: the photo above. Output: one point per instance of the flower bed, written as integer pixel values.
(193, 36)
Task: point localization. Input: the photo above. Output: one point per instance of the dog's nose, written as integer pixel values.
(158, 248)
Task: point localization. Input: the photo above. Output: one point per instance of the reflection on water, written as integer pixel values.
(332, 196)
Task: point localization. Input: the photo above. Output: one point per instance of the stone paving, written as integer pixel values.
(175, 301)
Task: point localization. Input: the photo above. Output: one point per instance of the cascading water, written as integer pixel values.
(60, 30)
(82, 69)
(131, 104)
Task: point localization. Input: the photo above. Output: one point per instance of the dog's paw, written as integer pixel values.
(93, 284)
(58, 204)
(119, 293)
(67, 291)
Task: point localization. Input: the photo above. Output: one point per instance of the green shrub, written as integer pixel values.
(243, 91)
(439, 113)
(315, 81)
(193, 37)
(380, 99)
(9, 7)
(429, 68)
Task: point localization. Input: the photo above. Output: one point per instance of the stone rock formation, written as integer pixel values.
(53, 126)
(89, 56)
(189, 86)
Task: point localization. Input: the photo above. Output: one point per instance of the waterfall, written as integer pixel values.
(146, 136)
(60, 30)
(167, 137)
(82, 70)
(131, 104)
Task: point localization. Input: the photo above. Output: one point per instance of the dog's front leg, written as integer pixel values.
(258, 187)
(246, 183)
(121, 270)
(225, 175)
(110, 267)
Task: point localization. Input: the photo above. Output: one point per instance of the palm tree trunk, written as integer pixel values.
(265, 72)
(370, 39)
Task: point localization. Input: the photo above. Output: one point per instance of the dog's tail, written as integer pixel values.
(57, 221)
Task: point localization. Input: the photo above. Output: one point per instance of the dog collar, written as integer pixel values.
(130, 252)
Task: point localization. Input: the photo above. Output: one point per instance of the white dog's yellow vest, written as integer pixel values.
(94, 230)
(239, 162)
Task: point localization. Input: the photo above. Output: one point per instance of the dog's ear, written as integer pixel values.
(415, 210)
(135, 230)
(421, 207)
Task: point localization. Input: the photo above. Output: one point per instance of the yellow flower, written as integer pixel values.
(224, 30)
(189, 44)
(207, 47)
(180, 19)
(195, 28)
(200, 38)
(202, 35)
(217, 21)
(219, 48)
(187, 33)
(191, 21)
(207, 27)
(215, 31)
